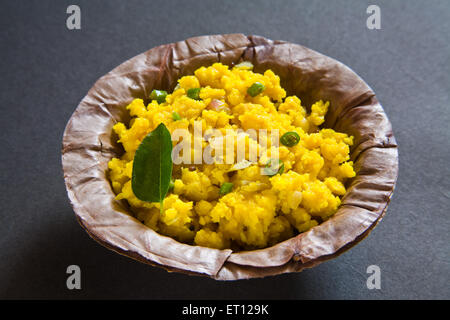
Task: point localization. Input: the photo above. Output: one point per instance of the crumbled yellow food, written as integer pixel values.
(260, 210)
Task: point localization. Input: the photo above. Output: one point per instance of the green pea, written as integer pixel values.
(256, 89)
(290, 139)
(272, 169)
(158, 95)
(175, 116)
(226, 188)
(194, 93)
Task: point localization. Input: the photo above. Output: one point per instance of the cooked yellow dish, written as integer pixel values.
(234, 205)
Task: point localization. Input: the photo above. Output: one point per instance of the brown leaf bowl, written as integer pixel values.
(88, 145)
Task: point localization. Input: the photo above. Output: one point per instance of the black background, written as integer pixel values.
(46, 70)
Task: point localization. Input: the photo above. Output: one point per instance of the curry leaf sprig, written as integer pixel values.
(152, 166)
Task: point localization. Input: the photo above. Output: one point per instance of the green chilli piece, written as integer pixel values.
(171, 184)
(194, 93)
(226, 188)
(175, 116)
(290, 139)
(256, 89)
(272, 169)
(159, 96)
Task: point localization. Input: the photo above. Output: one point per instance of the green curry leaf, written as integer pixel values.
(152, 166)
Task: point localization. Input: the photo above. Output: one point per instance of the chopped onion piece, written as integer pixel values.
(244, 64)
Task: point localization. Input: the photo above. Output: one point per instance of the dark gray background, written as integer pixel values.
(46, 70)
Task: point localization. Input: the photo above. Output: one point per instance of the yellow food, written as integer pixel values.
(260, 210)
